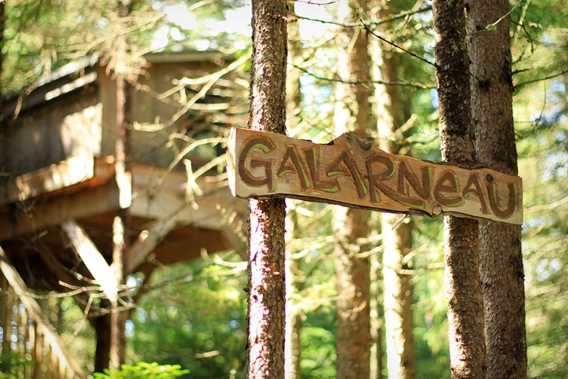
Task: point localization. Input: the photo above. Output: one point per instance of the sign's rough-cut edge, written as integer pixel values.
(351, 171)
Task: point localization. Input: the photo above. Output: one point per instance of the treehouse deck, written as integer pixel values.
(57, 164)
(85, 189)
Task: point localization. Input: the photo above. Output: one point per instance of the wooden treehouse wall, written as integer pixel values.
(55, 128)
(50, 134)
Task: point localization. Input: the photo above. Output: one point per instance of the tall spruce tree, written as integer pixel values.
(266, 317)
(352, 113)
(397, 235)
(294, 315)
(502, 273)
(465, 307)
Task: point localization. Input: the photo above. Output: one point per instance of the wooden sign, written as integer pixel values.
(351, 171)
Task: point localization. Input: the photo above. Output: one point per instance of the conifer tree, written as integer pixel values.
(499, 244)
(465, 307)
(352, 113)
(266, 317)
(293, 275)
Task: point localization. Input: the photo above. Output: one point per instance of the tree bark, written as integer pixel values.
(120, 239)
(102, 326)
(352, 113)
(2, 25)
(502, 274)
(397, 236)
(292, 346)
(266, 317)
(465, 308)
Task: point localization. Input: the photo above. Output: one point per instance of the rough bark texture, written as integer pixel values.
(465, 308)
(397, 236)
(267, 276)
(502, 274)
(292, 347)
(352, 111)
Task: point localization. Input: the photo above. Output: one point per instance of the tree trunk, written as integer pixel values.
(2, 24)
(292, 347)
(465, 308)
(120, 240)
(102, 326)
(352, 113)
(266, 317)
(501, 261)
(376, 314)
(397, 236)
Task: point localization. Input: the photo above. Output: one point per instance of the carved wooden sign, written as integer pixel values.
(351, 171)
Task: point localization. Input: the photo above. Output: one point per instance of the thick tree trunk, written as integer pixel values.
(397, 236)
(352, 113)
(266, 318)
(292, 347)
(465, 308)
(501, 261)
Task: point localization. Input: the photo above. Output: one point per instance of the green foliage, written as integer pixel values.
(197, 320)
(11, 364)
(144, 370)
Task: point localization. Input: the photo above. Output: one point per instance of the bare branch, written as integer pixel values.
(370, 22)
(374, 34)
(355, 82)
(548, 77)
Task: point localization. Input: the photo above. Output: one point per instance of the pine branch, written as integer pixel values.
(374, 34)
(548, 77)
(356, 82)
(370, 22)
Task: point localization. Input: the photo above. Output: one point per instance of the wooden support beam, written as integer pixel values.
(58, 209)
(158, 192)
(351, 171)
(93, 259)
(34, 310)
(147, 242)
(56, 177)
(185, 244)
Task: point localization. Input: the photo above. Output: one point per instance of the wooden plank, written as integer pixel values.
(45, 328)
(55, 177)
(56, 210)
(93, 259)
(147, 241)
(185, 244)
(351, 171)
(158, 192)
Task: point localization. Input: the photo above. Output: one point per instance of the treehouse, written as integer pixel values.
(62, 185)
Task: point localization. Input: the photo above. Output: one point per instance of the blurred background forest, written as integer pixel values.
(194, 313)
